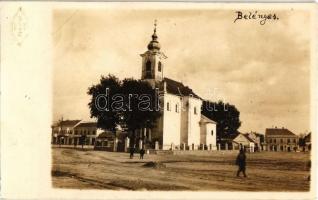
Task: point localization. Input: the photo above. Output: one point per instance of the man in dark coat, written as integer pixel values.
(132, 151)
(241, 162)
(142, 153)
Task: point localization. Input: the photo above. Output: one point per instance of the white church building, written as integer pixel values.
(181, 125)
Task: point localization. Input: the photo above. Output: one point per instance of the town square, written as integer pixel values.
(156, 130)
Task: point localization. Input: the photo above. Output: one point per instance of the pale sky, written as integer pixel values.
(264, 70)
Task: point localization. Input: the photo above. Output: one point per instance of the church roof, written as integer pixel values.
(205, 119)
(177, 88)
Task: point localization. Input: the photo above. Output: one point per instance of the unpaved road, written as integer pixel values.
(267, 171)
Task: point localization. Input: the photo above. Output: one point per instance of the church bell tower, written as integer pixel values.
(153, 61)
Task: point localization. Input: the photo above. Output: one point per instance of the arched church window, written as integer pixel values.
(212, 132)
(148, 66)
(195, 110)
(168, 106)
(148, 69)
(159, 66)
(177, 109)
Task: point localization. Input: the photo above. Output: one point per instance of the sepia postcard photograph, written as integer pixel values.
(165, 97)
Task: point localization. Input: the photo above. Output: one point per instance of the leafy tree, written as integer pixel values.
(226, 115)
(141, 110)
(129, 103)
(106, 120)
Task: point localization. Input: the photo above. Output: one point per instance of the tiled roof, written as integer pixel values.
(69, 122)
(248, 138)
(106, 134)
(177, 88)
(278, 131)
(205, 119)
(87, 125)
(230, 136)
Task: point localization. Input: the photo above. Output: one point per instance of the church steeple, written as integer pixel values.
(154, 44)
(152, 60)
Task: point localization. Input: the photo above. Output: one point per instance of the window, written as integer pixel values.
(148, 66)
(270, 140)
(75, 132)
(159, 66)
(281, 140)
(212, 132)
(168, 106)
(195, 110)
(274, 140)
(148, 69)
(294, 140)
(288, 140)
(88, 132)
(177, 109)
(94, 132)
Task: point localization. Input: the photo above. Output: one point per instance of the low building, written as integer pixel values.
(87, 129)
(258, 140)
(68, 132)
(243, 141)
(281, 139)
(62, 131)
(106, 141)
(110, 141)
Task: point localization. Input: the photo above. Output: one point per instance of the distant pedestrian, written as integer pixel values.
(132, 151)
(241, 162)
(142, 153)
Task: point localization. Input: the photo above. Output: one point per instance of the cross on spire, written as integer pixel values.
(155, 24)
(154, 44)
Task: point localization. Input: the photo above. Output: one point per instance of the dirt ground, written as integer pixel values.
(266, 171)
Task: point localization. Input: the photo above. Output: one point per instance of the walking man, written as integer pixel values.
(241, 162)
(132, 151)
(142, 153)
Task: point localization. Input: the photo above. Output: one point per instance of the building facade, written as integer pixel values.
(68, 132)
(243, 141)
(62, 131)
(281, 139)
